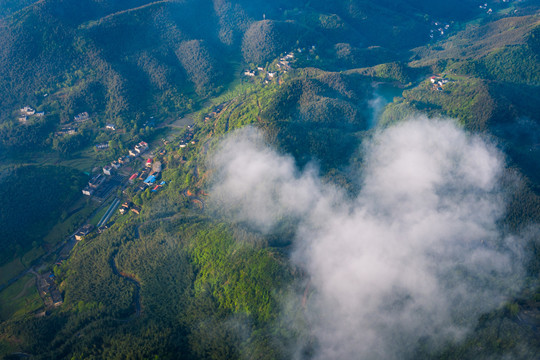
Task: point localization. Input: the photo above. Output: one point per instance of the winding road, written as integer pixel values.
(136, 294)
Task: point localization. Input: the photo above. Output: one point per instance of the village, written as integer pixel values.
(111, 187)
(281, 66)
(28, 112)
(139, 169)
(439, 82)
(142, 165)
(438, 29)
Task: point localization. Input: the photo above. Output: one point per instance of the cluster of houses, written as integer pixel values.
(117, 164)
(66, 131)
(128, 206)
(72, 130)
(138, 149)
(108, 170)
(439, 29)
(484, 6)
(438, 82)
(268, 75)
(94, 183)
(149, 176)
(284, 62)
(188, 136)
(83, 231)
(82, 117)
(253, 73)
(282, 65)
(26, 112)
(48, 291)
(212, 114)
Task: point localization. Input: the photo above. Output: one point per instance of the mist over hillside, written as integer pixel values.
(383, 266)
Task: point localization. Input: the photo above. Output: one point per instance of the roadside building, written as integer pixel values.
(96, 181)
(81, 117)
(124, 208)
(133, 177)
(85, 230)
(27, 110)
(156, 167)
(124, 159)
(107, 170)
(150, 180)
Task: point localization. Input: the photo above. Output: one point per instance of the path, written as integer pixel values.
(108, 213)
(26, 286)
(136, 294)
(180, 123)
(194, 198)
(234, 106)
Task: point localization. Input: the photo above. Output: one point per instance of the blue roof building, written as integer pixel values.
(150, 179)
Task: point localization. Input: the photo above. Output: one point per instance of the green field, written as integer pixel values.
(99, 214)
(66, 227)
(32, 255)
(19, 298)
(10, 270)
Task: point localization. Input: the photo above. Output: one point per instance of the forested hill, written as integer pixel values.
(127, 57)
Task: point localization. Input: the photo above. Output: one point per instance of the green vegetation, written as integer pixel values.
(317, 118)
(37, 197)
(389, 72)
(10, 270)
(81, 211)
(20, 298)
(511, 64)
(265, 40)
(468, 100)
(201, 68)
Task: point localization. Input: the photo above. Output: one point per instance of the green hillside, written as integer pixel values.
(37, 197)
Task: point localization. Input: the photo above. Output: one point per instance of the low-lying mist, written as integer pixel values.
(414, 258)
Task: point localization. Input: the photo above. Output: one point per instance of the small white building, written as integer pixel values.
(81, 117)
(27, 110)
(107, 170)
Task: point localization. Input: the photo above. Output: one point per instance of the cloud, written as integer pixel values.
(415, 256)
(376, 107)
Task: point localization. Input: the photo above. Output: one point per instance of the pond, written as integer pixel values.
(383, 94)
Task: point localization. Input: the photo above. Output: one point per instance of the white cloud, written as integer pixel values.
(416, 255)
